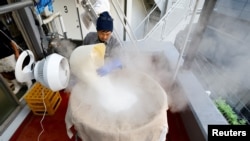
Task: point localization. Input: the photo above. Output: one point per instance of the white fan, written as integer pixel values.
(53, 71)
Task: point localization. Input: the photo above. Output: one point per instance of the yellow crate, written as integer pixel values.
(39, 95)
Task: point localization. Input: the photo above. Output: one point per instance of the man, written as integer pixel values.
(104, 27)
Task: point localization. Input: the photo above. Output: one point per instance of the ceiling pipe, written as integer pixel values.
(15, 6)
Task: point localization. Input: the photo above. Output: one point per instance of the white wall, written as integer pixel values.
(69, 13)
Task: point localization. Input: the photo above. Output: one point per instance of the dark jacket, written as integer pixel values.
(92, 38)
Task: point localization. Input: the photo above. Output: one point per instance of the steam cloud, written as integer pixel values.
(117, 94)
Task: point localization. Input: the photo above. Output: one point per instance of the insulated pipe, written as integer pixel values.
(62, 26)
(51, 18)
(15, 6)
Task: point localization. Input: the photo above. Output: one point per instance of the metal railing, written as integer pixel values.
(173, 16)
(170, 20)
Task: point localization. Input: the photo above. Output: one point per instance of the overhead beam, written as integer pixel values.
(15, 6)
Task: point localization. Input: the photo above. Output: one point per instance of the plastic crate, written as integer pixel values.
(39, 95)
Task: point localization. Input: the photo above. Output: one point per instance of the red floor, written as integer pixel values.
(55, 129)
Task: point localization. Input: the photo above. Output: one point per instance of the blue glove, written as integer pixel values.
(42, 4)
(110, 66)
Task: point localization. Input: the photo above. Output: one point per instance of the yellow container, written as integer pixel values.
(41, 99)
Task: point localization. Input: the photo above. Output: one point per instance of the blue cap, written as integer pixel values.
(104, 22)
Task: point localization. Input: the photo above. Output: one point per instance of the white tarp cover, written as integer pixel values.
(125, 105)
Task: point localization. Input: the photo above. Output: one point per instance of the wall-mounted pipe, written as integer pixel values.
(15, 6)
